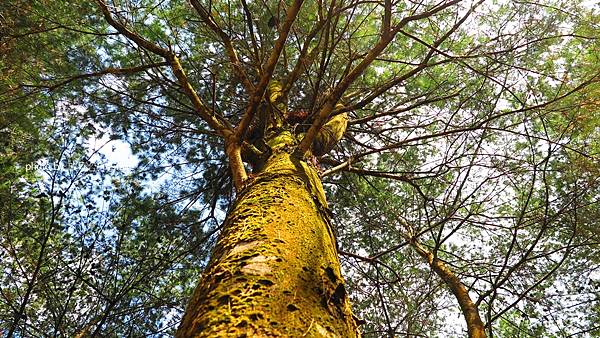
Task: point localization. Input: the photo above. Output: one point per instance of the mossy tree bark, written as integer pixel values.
(275, 269)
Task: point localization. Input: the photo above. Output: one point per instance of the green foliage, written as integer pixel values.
(479, 139)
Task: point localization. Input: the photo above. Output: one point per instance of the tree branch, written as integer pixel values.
(113, 71)
(341, 87)
(259, 91)
(475, 327)
(229, 49)
(232, 147)
(139, 40)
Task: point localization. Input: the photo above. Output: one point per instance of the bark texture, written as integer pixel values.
(275, 269)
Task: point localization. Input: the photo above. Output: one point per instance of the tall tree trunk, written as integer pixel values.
(275, 269)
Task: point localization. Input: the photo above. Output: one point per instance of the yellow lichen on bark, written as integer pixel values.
(275, 270)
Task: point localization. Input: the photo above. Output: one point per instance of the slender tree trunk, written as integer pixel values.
(475, 327)
(275, 269)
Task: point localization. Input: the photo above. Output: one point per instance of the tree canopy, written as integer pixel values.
(472, 152)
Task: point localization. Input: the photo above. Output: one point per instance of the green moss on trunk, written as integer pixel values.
(275, 269)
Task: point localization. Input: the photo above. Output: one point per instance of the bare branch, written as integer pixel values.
(113, 71)
(259, 91)
(229, 49)
(341, 87)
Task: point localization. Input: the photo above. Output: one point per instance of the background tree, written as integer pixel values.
(472, 136)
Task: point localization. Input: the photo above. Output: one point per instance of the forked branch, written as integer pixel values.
(385, 39)
(259, 91)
